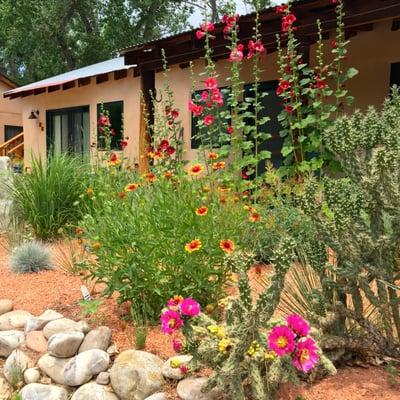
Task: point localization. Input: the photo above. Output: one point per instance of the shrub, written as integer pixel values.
(46, 198)
(30, 257)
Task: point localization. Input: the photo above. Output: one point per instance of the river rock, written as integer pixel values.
(36, 391)
(31, 375)
(173, 372)
(93, 391)
(36, 341)
(15, 366)
(65, 345)
(9, 341)
(99, 338)
(103, 378)
(5, 389)
(38, 323)
(6, 306)
(13, 320)
(53, 367)
(136, 375)
(157, 396)
(190, 389)
(61, 326)
(84, 366)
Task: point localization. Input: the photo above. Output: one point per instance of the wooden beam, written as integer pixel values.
(39, 91)
(68, 85)
(84, 81)
(101, 78)
(53, 88)
(123, 73)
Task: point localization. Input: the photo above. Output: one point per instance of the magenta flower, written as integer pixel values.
(190, 307)
(306, 355)
(171, 321)
(299, 325)
(177, 345)
(281, 340)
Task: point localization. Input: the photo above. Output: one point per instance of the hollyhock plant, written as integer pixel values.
(197, 110)
(190, 307)
(288, 21)
(306, 355)
(208, 119)
(164, 144)
(236, 54)
(299, 325)
(200, 34)
(281, 340)
(171, 321)
(255, 47)
(211, 83)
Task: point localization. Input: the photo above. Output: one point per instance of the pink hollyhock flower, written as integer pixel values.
(299, 325)
(230, 22)
(190, 307)
(211, 83)
(204, 95)
(104, 121)
(164, 144)
(236, 54)
(216, 96)
(281, 340)
(208, 120)
(123, 144)
(200, 34)
(281, 9)
(197, 110)
(177, 345)
(287, 22)
(174, 114)
(171, 321)
(306, 355)
(255, 47)
(207, 27)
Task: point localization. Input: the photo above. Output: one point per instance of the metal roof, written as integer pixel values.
(113, 65)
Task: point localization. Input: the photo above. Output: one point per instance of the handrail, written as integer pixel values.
(12, 145)
(20, 135)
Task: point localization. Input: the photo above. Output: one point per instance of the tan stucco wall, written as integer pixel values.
(127, 90)
(10, 111)
(370, 52)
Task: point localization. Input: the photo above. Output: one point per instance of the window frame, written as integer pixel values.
(119, 135)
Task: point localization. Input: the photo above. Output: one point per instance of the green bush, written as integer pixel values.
(30, 257)
(46, 198)
(139, 241)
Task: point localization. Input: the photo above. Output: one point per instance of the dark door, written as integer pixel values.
(68, 130)
(10, 131)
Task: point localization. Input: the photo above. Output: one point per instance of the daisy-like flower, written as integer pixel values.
(78, 231)
(224, 345)
(114, 160)
(174, 303)
(196, 169)
(298, 325)
(306, 355)
(150, 177)
(96, 246)
(201, 211)
(89, 192)
(190, 307)
(281, 340)
(121, 195)
(212, 155)
(227, 245)
(194, 245)
(255, 217)
(131, 187)
(168, 174)
(218, 165)
(171, 321)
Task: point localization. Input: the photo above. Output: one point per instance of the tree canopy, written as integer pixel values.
(39, 39)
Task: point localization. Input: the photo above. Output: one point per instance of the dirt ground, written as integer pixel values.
(60, 290)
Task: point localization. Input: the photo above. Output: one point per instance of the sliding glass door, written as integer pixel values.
(68, 130)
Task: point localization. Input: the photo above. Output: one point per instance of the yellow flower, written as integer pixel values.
(221, 332)
(269, 355)
(90, 192)
(254, 347)
(213, 329)
(196, 169)
(203, 210)
(131, 187)
(175, 363)
(96, 246)
(192, 246)
(218, 165)
(224, 345)
(210, 308)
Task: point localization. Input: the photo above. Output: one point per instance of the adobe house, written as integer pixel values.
(10, 120)
(62, 111)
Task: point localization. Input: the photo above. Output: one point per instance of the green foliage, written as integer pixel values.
(393, 373)
(139, 242)
(46, 198)
(30, 257)
(90, 307)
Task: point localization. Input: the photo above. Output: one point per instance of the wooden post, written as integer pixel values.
(147, 84)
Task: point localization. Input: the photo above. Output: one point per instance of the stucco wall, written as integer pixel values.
(10, 111)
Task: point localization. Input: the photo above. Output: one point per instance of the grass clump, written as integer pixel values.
(30, 257)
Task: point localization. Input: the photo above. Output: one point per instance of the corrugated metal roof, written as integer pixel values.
(115, 64)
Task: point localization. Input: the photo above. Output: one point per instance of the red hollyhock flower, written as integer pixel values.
(123, 144)
(230, 22)
(174, 114)
(216, 96)
(170, 150)
(287, 22)
(229, 129)
(208, 119)
(204, 95)
(334, 44)
(255, 47)
(200, 34)
(197, 110)
(289, 109)
(207, 27)
(211, 83)
(284, 85)
(104, 121)
(321, 84)
(112, 131)
(236, 54)
(164, 144)
(113, 157)
(281, 9)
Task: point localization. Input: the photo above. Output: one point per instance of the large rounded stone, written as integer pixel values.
(31, 375)
(13, 320)
(65, 345)
(103, 378)
(136, 375)
(93, 391)
(36, 391)
(190, 389)
(36, 341)
(6, 306)
(53, 367)
(9, 341)
(84, 366)
(60, 326)
(38, 323)
(157, 396)
(15, 366)
(99, 338)
(171, 368)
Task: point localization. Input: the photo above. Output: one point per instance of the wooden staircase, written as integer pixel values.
(13, 148)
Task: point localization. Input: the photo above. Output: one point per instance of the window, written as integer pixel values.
(195, 140)
(115, 110)
(395, 74)
(10, 131)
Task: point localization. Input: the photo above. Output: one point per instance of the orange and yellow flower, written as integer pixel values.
(96, 246)
(168, 174)
(78, 231)
(218, 165)
(150, 177)
(192, 246)
(121, 195)
(89, 192)
(255, 217)
(227, 245)
(212, 155)
(196, 169)
(223, 189)
(201, 211)
(131, 187)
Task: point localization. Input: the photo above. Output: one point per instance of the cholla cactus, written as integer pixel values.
(358, 217)
(236, 347)
(30, 257)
